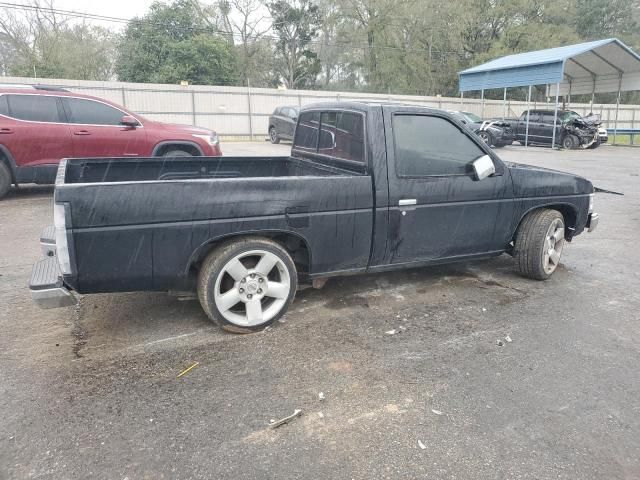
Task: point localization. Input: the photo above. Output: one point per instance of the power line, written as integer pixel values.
(235, 35)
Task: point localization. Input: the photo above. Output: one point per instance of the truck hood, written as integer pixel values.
(530, 181)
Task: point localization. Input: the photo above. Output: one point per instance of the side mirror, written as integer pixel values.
(129, 121)
(483, 167)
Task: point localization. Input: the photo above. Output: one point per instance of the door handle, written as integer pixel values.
(6, 131)
(407, 201)
(82, 132)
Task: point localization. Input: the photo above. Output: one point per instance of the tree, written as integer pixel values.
(202, 59)
(40, 42)
(174, 43)
(296, 25)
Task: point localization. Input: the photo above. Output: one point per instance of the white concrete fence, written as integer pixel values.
(242, 113)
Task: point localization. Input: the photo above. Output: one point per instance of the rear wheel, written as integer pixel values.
(247, 284)
(273, 135)
(539, 244)
(5, 179)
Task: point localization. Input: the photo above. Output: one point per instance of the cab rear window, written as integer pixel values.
(337, 135)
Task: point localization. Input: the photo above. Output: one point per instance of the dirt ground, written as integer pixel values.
(91, 392)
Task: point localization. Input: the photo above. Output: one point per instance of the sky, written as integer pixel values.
(112, 8)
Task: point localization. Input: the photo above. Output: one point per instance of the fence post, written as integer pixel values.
(250, 110)
(193, 107)
(124, 97)
(633, 124)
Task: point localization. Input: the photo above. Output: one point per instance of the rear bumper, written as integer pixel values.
(48, 241)
(46, 284)
(592, 222)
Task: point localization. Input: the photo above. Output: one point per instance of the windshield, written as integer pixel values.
(471, 117)
(567, 116)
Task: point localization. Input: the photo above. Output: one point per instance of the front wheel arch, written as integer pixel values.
(163, 147)
(569, 214)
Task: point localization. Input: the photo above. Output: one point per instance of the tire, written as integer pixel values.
(594, 145)
(539, 244)
(570, 142)
(485, 137)
(5, 179)
(177, 152)
(217, 288)
(273, 135)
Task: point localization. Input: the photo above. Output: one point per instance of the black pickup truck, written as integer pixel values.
(366, 188)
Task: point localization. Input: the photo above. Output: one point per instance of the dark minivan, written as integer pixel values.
(282, 123)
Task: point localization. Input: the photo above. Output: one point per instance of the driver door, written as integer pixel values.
(437, 209)
(97, 132)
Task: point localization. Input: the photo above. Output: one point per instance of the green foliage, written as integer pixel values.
(296, 25)
(171, 44)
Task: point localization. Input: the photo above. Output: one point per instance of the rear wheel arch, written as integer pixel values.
(296, 245)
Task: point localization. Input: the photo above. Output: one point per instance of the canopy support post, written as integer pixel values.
(555, 117)
(461, 99)
(593, 94)
(615, 125)
(482, 99)
(526, 132)
(504, 104)
(569, 96)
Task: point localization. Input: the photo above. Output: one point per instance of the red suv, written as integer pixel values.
(40, 125)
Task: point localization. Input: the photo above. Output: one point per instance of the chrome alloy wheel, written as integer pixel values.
(252, 288)
(553, 245)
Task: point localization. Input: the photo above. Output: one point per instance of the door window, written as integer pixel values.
(431, 146)
(35, 108)
(89, 112)
(533, 117)
(547, 118)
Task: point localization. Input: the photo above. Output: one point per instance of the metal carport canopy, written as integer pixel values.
(591, 67)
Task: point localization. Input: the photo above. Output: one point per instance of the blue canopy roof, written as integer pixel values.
(584, 63)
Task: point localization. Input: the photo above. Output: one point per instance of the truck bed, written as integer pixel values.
(138, 223)
(163, 169)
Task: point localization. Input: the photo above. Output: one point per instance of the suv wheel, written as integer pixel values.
(176, 152)
(570, 142)
(539, 244)
(485, 137)
(247, 284)
(5, 179)
(273, 135)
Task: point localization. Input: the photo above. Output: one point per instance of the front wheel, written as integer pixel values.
(273, 136)
(485, 137)
(539, 244)
(570, 142)
(177, 152)
(247, 284)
